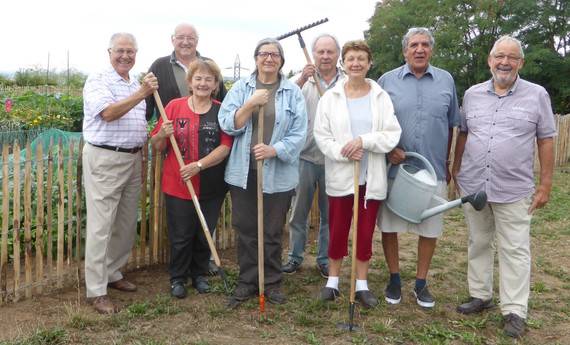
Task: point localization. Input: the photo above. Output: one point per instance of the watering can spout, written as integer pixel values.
(477, 200)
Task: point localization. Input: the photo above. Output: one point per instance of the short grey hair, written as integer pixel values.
(507, 38)
(323, 36)
(417, 31)
(186, 24)
(127, 35)
(267, 41)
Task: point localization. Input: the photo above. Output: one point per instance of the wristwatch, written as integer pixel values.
(199, 164)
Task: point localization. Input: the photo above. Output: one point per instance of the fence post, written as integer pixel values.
(39, 217)
(28, 219)
(60, 214)
(5, 220)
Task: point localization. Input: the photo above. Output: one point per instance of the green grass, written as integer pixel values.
(204, 320)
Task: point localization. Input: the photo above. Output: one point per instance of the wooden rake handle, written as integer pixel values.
(188, 183)
(354, 230)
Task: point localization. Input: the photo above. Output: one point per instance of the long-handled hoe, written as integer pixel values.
(260, 239)
(351, 326)
(174, 145)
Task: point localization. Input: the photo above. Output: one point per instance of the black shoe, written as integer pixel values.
(290, 267)
(393, 293)
(366, 298)
(275, 296)
(200, 283)
(212, 268)
(424, 298)
(241, 294)
(475, 305)
(514, 325)
(329, 294)
(177, 289)
(323, 270)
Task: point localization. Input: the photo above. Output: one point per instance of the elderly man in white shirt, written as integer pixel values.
(114, 129)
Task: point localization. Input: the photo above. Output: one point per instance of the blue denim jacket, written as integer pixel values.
(281, 173)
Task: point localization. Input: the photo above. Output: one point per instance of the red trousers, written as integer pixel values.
(340, 218)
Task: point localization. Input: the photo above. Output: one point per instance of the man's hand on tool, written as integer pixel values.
(308, 71)
(189, 170)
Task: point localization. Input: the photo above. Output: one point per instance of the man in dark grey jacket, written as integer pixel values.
(171, 69)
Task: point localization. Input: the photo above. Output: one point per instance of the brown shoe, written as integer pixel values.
(103, 305)
(123, 285)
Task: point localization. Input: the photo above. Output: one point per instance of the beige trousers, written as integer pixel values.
(506, 228)
(112, 188)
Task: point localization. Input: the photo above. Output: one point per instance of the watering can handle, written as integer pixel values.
(421, 158)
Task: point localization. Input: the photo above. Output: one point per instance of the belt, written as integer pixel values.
(118, 149)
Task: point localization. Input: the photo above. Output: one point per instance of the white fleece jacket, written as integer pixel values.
(332, 131)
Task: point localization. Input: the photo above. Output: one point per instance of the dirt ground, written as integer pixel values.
(150, 316)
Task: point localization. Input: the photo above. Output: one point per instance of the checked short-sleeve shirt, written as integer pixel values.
(101, 90)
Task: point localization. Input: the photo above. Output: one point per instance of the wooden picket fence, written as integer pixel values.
(43, 216)
(43, 219)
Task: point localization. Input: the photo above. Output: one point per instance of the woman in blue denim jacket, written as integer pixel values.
(285, 126)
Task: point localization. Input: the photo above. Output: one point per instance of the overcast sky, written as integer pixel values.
(30, 29)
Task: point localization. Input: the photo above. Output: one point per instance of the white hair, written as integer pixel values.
(507, 38)
(127, 35)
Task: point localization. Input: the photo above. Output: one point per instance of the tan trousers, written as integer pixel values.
(112, 188)
(506, 228)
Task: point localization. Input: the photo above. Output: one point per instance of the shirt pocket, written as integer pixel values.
(283, 123)
(478, 121)
(522, 122)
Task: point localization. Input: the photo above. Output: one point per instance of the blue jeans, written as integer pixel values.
(310, 176)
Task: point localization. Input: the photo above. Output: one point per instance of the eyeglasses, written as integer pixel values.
(510, 58)
(129, 52)
(264, 55)
(185, 38)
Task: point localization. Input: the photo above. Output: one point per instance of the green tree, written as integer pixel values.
(465, 31)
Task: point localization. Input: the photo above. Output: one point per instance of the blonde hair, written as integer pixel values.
(358, 45)
(208, 66)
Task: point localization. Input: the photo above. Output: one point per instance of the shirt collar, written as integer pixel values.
(334, 80)
(491, 87)
(116, 77)
(406, 70)
(174, 61)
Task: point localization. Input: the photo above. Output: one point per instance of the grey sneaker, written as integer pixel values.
(177, 289)
(290, 267)
(393, 293)
(275, 296)
(475, 305)
(514, 325)
(424, 298)
(366, 298)
(329, 294)
(241, 294)
(323, 270)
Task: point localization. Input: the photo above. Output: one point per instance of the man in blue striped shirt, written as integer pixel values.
(425, 103)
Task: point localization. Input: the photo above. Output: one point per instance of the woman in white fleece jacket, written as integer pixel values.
(354, 122)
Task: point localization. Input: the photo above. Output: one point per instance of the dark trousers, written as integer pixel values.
(244, 221)
(189, 251)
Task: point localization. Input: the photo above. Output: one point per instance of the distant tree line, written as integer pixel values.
(37, 76)
(465, 31)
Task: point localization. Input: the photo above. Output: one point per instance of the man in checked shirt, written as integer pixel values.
(501, 120)
(114, 128)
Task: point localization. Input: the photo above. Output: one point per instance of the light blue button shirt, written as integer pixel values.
(281, 173)
(426, 109)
